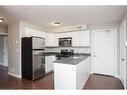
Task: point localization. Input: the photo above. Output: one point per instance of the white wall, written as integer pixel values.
(3, 29)
(14, 58)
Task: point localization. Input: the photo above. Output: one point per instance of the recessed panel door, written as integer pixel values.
(103, 52)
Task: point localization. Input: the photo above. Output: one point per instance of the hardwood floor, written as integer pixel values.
(46, 82)
(97, 81)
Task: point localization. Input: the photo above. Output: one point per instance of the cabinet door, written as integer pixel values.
(84, 38)
(63, 35)
(51, 40)
(75, 38)
(49, 63)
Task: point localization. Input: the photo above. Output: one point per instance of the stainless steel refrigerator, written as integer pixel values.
(33, 62)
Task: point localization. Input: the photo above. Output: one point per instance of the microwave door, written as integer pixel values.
(65, 42)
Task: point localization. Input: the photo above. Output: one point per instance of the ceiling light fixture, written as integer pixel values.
(56, 23)
(1, 19)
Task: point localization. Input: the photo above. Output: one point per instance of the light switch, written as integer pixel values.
(126, 43)
(16, 42)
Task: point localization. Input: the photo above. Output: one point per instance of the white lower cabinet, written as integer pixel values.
(49, 63)
(68, 76)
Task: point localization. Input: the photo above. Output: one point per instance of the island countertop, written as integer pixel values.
(72, 60)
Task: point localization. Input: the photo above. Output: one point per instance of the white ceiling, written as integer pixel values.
(67, 15)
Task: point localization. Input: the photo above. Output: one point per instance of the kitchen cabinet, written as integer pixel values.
(51, 40)
(80, 38)
(49, 63)
(84, 38)
(75, 38)
(64, 34)
(75, 76)
(32, 32)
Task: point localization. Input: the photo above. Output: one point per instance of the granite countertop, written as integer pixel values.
(50, 53)
(73, 60)
(57, 53)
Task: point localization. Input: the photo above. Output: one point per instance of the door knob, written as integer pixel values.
(94, 55)
(123, 59)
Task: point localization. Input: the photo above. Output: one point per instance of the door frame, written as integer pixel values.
(115, 49)
(123, 25)
(6, 51)
(5, 36)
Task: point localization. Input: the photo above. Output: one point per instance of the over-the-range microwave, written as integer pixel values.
(65, 42)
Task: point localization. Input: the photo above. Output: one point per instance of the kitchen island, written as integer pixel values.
(72, 72)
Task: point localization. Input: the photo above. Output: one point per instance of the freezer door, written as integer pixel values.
(38, 42)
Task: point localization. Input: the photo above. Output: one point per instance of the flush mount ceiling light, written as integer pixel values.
(1, 19)
(56, 23)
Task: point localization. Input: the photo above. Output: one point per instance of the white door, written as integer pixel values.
(3, 50)
(123, 52)
(104, 52)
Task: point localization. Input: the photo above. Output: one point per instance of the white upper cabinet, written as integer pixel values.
(32, 32)
(75, 38)
(51, 40)
(80, 38)
(84, 38)
(62, 35)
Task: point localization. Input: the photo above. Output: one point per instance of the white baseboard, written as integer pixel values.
(15, 75)
(117, 76)
(3, 64)
(90, 72)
